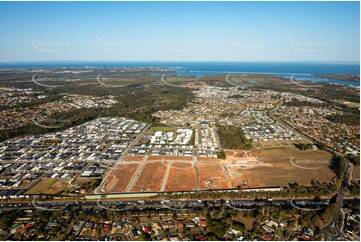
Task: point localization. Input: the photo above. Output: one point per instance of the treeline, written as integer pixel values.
(349, 119)
(338, 165)
(294, 190)
(304, 146)
(233, 138)
(298, 103)
(133, 102)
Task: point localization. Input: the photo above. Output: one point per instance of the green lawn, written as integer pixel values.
(163, 129)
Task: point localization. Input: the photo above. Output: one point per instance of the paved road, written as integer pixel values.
(121, 158)
(332, 231)
(134, 204)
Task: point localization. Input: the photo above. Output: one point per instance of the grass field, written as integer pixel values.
(50, 186)
(163, 129)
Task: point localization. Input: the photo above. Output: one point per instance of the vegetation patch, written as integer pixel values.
(233, 138)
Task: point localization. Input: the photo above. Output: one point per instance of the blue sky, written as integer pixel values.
(214, 31)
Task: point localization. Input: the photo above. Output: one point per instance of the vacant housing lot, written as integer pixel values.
(150, 180)
(284, 166)
(211, 176)
(181, 177)
(49, 186)
(119, 179)
(133, 158)
(245, 169)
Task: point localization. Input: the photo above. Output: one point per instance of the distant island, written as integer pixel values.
(341, 77)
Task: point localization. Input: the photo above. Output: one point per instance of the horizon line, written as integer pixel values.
(281, 61)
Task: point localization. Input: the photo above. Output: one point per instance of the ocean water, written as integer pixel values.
(299, 70)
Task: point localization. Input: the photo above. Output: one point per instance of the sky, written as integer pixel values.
(180, 31)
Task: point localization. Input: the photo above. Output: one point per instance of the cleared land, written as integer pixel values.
(119, 179)
(241, 168)
(50, 186)
(163, 129)
(356, 173)
(150, 180)
(181, 177)
(211, 176)
(168, 158)
(279, 167)
(274, 144)
(133, 158)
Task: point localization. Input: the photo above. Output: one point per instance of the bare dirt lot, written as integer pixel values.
(150, 180)
(181, 177)
(133, 158)
(210, 159)
(356, 173)
(284, 166)
(246, 169)
(119, 179)
(162, 157)
(50, 186)
(211, 176)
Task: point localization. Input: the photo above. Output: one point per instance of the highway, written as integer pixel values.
(332, 231)
(166, 204)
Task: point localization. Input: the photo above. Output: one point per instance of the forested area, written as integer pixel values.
(135, 102)
(233, 138)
